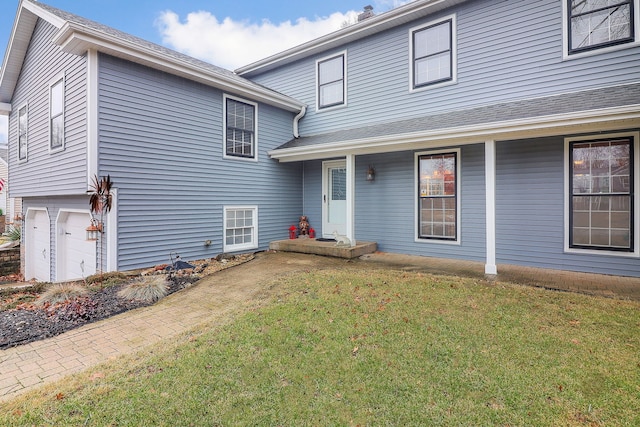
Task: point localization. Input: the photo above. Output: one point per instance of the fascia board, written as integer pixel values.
(579, 122)
(77, 40)
(5, 109)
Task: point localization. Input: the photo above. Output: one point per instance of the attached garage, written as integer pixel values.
(37, 245)
(76, 257)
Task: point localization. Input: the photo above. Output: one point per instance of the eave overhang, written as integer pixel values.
(607, 119)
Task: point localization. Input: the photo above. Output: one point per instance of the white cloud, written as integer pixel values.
(4, 130)
(231, 44)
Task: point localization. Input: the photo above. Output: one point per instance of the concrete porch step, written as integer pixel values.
(312, 246)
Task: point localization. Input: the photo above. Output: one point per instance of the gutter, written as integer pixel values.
(296, 120)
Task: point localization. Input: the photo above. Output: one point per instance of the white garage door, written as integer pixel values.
(76, 255)
(38, 244)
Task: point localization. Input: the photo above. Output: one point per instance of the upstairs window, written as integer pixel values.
(433, 53)
(601, 199)
(595, 24)
(240, 128)
(56, 115)
(331, 81)
(23, 121)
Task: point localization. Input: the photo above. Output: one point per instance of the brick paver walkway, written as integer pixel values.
(28, 366)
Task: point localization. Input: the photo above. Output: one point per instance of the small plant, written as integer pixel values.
(75, 310)
(107, 279)
(148, 289)
(60, 293)
(15, 233)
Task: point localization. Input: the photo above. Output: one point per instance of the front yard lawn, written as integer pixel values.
(373, 347)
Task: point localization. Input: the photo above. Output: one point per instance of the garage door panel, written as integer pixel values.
(38, 242)
(77, 256)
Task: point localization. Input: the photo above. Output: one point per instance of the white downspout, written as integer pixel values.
(296, 119)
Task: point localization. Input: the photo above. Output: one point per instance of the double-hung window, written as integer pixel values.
(240, 128)
(240, 228)
(595, 24)
(601, 194)
(23, 123)
(56, 115)
(438, 195)
(331, 81)
(433, 53)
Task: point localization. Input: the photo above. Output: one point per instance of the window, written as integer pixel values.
(331, 81)
(56, 115)
(23, 121)
(240, 128)
(596, 24)
(433, 53)
(601, 198)
(437, 196)
(240, 228)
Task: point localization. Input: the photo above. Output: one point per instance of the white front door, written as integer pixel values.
(76, 255)
(38, 244)
(334, 198)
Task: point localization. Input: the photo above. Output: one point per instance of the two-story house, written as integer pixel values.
(501, 132)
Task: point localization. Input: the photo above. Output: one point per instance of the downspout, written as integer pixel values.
(296, 119)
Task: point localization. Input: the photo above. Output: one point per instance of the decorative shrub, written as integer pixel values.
(60, 293)
(148, 289)
(14, 233)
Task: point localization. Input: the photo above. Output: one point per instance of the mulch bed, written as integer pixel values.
(29, 322)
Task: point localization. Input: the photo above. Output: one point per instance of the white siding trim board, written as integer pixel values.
(92, 115)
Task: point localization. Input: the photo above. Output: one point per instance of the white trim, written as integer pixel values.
(597, 51)
(30, 212)
(636, 198)
(59, 78)
(26, 158)
(5, 109)
(454, 54)
(92, 116)
(254, 235)
(350, 162)
(490, 266)
(112, 233)
(320, 109)
(416, 197)
(224, 129)
(43, 13)
(605, 119)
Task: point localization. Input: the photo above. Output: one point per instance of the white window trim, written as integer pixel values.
(344, 84)
(224, 129)
(636, 197)
(52, 83)
(454, 54)
(26, 157)
(565, 35)
(254, 238)
(416, 210)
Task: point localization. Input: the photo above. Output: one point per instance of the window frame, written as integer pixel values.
(634, 40)
(58, 80)
(26, 134)
(569, 247)
(458, 197)
(343, 103)
(453, 59)
(254, 155)
(254, 232)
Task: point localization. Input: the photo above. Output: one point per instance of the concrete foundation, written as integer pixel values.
(312, 246)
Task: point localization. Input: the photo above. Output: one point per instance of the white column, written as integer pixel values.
(112, 233)
(490, 196)
(351, 187)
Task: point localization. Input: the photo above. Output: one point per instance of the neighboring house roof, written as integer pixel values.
(77, 35)
(544, 116)
(378, 23)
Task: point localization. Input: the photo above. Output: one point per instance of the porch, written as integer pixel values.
(318, 247)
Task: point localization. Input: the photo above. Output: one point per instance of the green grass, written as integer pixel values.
(374, 348)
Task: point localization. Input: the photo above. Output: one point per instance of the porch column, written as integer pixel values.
(351, 189)
(490, 197)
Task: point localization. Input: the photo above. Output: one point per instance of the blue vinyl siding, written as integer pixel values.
(530, 211)
(385, 208)
(161, 142)
(506, 51)
(43, 173)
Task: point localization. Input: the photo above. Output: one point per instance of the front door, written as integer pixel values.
(334, 198)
